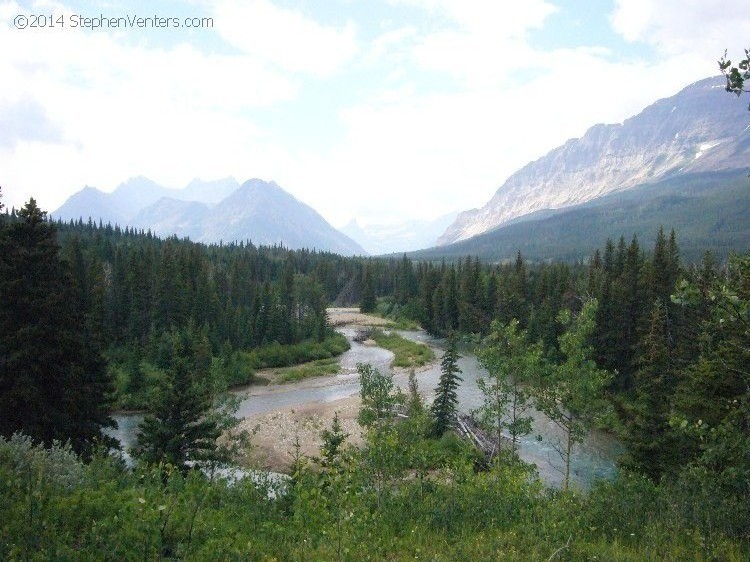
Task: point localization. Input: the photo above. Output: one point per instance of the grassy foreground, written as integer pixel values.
(374, 504)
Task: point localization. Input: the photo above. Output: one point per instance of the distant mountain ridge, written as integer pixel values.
(381, 239)
(210, 212)
(134, 195)
(708, 211)
(699, 129)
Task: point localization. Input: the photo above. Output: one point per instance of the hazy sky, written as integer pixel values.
(381, 110)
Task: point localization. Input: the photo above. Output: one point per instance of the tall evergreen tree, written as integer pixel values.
(427, 287)
(450, 299)
(53, 382)
(517, 305)
(713, 400)
(446, 401)
(470, 306)
(367, 299)
(650, 441)
(178, 429)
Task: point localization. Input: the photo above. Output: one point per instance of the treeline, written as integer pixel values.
(674, 337)
(89, 317)
(136, 286)
(675, 340)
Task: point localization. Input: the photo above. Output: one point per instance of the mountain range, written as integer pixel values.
(700, 129)
(381, 239)
(708, 210)
(212, 212)
(680, 163)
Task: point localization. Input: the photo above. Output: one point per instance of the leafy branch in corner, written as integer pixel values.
(736, 75)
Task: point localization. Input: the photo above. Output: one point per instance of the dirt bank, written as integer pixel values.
(347, 316)
(276, 432)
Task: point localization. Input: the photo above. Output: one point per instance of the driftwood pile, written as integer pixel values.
(467, 427)
(362, 335)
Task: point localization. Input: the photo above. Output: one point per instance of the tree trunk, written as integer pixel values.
(568, 447)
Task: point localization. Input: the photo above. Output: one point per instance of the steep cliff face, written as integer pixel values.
(699, 129)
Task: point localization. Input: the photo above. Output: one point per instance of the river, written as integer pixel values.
(592, 459)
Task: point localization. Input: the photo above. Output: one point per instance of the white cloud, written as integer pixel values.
(407, 155)
(680, 26)
(479, 43)
(26, 120)
(114, 110)
(285, 38)
(430, 116)
(497, 18)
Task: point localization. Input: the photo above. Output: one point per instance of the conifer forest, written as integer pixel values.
(633, 341)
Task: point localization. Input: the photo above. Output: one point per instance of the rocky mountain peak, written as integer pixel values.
(698, 129)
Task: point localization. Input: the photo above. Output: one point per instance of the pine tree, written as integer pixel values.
(367, 300)
(178, 429)
(438, 309)
(288, 302)
(518, 297)
(450, 296)
(470, 312)
(53, 382)
(333, 442)
(650, 441)
(446, 401)
(427, 287)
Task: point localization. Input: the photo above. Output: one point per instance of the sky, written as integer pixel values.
(379, 110)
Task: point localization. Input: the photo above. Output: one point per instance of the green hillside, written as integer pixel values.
(709, 211)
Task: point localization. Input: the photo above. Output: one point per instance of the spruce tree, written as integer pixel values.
(178, 429)
(450, 296)
(517, 305)
(53, 382)
(650, 441)
(713, 399)
(333, 443)
(367, 299)
(427, 287)
(446, 401)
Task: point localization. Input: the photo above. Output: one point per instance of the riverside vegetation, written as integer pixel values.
(94, 316)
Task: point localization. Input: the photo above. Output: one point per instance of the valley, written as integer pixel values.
(283, 413)
(215, 372)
